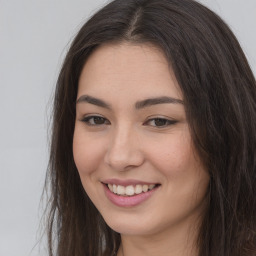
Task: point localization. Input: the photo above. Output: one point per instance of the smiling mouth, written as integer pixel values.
(130, 190)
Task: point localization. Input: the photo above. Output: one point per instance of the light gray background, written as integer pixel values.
(34, 36)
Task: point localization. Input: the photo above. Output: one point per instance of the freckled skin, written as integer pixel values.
(130, 147)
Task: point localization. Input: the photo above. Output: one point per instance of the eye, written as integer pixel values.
(95, 120)
(160, 122)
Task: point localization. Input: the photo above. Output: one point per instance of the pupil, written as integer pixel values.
(98, 120)
(160, 122)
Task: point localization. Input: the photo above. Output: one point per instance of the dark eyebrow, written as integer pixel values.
(94, 101)
(155, 101)
(139, 104)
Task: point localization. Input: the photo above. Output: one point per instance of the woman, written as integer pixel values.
(153, 143)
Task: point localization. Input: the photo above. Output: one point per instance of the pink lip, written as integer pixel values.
(128, 201)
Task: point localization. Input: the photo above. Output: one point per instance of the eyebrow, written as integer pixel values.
(94, 101)
(156, 101)
(138, 105)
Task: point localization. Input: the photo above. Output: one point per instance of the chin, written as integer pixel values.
(133, 226)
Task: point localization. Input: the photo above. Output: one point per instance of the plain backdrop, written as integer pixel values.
(34, 37)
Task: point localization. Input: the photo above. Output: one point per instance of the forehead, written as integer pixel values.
(128, 68)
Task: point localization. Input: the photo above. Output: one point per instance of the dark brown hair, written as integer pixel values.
(219, 92)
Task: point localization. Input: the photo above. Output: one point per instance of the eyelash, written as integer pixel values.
(89, 118)
(167, 122)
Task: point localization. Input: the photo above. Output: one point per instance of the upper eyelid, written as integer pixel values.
(148, 118)
(167, 119)
(160, 117)
(92, 116)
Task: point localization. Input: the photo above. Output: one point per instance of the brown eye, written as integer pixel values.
(98, 120)
(160, 122)
(95, 120)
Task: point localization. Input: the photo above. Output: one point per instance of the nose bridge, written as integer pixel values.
(123, 149)
(121, 136)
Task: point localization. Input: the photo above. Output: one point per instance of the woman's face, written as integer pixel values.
(132, 145)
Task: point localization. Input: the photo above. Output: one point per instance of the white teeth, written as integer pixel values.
(145, 188)
(130, 190)
(120, 190)
(151, 186)
(114, 188)
(138, 189)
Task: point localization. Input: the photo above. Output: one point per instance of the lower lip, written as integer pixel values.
(128, 201)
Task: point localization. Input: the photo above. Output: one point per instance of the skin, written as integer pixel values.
(129, 143)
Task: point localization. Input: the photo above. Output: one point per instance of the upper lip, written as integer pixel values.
(127, 182)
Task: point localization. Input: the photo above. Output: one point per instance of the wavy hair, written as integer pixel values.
(219, 92)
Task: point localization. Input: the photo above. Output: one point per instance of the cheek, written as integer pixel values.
(172, 154)
(87, 152)
(176, 159)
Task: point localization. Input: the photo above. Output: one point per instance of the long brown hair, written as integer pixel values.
(219, 92)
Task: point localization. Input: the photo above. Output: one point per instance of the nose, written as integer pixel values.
(124, 150)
